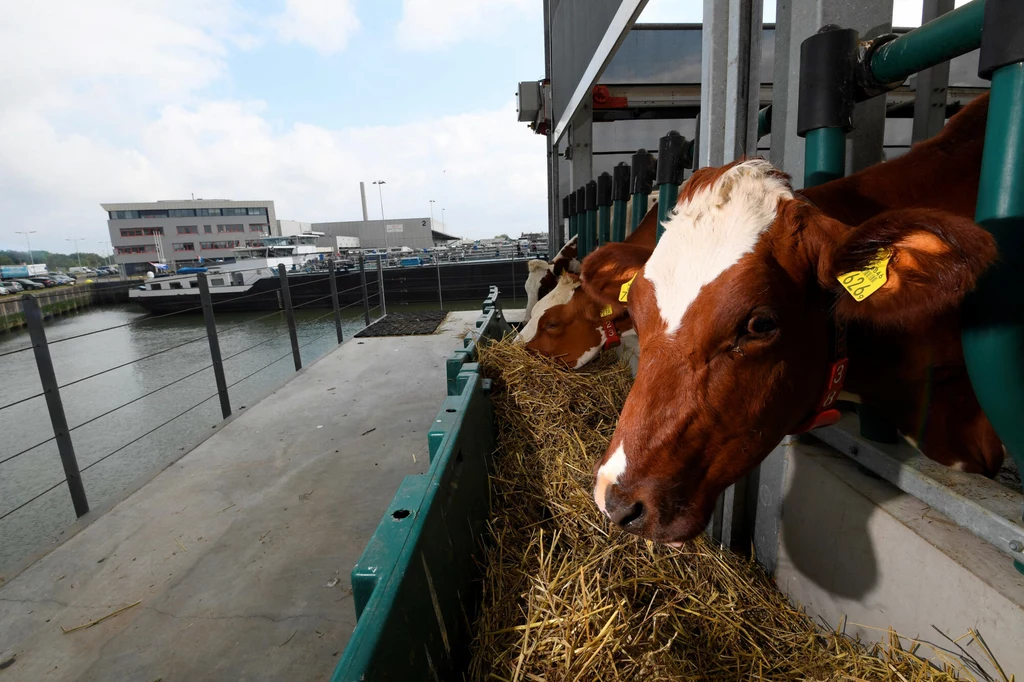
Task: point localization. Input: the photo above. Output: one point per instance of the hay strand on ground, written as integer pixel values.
(568, 598)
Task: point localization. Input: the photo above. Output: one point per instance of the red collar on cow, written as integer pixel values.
(825, 412)
(611, 333)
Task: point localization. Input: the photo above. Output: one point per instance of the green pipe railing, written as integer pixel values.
(671, 150)
(824, 156)
(620, 196)
(590, 220)
(604, 208)
(574, 228)
(941, 39)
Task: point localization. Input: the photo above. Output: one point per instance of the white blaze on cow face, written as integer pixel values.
(560, 295)
(710, 231)
(538, 269)
(608, 475)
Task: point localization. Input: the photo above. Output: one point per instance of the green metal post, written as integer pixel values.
(573, 226)
(604, 208)
(824, 156)
(581, 222)
(671, 150)
(590, 226)
(620, 196)
(993, 334)
(641, 182)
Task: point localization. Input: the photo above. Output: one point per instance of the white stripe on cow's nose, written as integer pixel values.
(608, 475)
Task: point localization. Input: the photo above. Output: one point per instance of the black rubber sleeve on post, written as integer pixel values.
(604, 189)
(1002, 36)
(671, 151)
(565, 207)
(571, 204)
(620, 182)
(828, 60)
(591, 195)
(641, 179)
(581, 201)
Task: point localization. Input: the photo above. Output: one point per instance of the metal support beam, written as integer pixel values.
(581, 149)
(743, 78)
(796, 21)
(289, 312)
(930, 85)
(713, 78)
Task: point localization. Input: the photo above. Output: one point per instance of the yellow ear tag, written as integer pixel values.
(863, 283)
(624, 291)
(606, 311)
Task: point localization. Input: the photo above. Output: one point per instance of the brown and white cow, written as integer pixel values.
(575, 327)
(544, 276)
(736, 308)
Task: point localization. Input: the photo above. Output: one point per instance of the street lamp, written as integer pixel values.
(29, 244)
(431, 214)
(387, 248)
(107, 258)
(77, 252)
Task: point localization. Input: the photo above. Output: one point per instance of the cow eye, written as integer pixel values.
(761, 324)
(552, 325)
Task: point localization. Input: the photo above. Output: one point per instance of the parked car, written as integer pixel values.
(45, 281)
(4, 291)
(29, 284)
(15, 287)
(61, 278)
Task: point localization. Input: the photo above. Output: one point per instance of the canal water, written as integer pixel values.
(118, 448)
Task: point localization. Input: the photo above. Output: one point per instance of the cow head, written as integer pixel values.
(733, 310)
(569, 325)
(544, 276)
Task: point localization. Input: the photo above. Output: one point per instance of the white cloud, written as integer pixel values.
(432, 24)
(324, 25)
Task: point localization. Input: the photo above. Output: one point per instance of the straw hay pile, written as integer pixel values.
(566, 598)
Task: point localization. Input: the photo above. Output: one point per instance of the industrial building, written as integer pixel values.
(415, 233)
(185, 232)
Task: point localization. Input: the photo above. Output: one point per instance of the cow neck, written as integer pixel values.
(825, 412)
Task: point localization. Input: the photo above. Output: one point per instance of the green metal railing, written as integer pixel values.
(416, 585)
(620, 197)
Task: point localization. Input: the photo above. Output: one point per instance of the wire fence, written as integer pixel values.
(64, 435)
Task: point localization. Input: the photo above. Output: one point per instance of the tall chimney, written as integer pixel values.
(362, 195)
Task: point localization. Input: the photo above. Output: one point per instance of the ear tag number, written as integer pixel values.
(863, 283)
(606, 311)
(624, 291)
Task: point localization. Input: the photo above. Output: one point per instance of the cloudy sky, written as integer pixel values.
(290, 100)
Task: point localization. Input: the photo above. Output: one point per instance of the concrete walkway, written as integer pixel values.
(238, 556)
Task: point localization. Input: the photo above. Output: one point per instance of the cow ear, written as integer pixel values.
(608, 268)
(902, 267)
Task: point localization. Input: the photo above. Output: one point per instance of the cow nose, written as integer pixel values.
(622, 509)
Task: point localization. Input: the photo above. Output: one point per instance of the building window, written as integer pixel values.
(123, 215)
(233, 211)
(144, 248)
(188, 229)
(208, 229)
(211, 246)
(209, 211)
(256, 211)
(231, 228)
(184, 246)
(265, 229)
(141, 231)
(217, 282)
(152, 214)
(254, 242)
(182, 212)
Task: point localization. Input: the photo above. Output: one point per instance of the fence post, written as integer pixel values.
(380, 283)
(334, 300)
(362, 283)
(620, 195)
(514, 298)
(670, 175)
(289, 313)
(61, 433)
(604, 208)
(641, 182)
(440, 297)
(211, 334)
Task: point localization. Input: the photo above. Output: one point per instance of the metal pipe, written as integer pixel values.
(590, 197)
(289, 313)
(824, 156)
(362, 284)
(670, 175)
(940, 40)
(573, 225)
(334, 300)
(620, 196)
(993, 333)
(641, 179)
(604, 208)
(211, 334)
(440, 296)
(47, 377)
